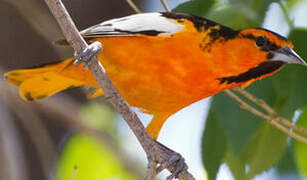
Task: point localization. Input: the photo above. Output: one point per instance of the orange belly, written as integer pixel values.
(159, 74)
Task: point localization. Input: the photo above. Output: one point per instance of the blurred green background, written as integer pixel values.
(68, 136)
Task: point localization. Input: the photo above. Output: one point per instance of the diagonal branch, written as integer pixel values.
(155, 152)
(133, 6)
(165, 5)
(270, 111)
(270, 120)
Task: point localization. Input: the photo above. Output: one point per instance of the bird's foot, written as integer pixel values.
(179, 165)
(174, 161)
(88, 54)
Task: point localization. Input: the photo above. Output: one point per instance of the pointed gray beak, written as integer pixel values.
(287, 55)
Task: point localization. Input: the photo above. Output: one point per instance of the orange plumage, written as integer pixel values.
(163, 70)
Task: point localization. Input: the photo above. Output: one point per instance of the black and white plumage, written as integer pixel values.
(146, 23)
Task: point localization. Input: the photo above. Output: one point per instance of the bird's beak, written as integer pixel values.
(287, 55)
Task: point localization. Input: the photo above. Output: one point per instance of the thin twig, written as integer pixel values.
(269, 110)
(154, 151)
(257, 101)
(270, 120)
(133, 6)
(165, 5)
(74, 173)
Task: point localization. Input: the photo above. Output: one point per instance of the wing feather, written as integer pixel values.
(152, 24)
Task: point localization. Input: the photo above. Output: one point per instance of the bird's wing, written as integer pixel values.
(152, 24)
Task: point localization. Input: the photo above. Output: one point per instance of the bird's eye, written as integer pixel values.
(261, 41)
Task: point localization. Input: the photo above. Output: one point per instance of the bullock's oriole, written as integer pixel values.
(163, 62)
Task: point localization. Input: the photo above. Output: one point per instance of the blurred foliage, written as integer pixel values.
(99, 116)
(247, 144)
(92, 160)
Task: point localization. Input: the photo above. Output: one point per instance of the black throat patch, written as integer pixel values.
(262, 69)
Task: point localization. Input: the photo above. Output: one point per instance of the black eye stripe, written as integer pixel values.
(261, 41)
(268, 46)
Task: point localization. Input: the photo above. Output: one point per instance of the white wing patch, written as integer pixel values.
(146, 23)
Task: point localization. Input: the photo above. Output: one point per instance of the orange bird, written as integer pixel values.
(163, 62)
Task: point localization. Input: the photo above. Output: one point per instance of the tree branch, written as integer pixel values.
(133, 6)
(270, 120)
(165, 5)
(270, 110)
(154, 151)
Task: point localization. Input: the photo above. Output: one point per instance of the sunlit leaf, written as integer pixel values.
(93, 160)
(292, 3)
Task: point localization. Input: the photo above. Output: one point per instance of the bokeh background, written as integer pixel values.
(68, 136)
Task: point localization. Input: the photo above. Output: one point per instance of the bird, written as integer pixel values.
(162, 62)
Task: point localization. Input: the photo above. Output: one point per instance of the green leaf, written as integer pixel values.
(287, 163)
(260, 7)
(213, 145)
(300, 149)
(240, 14)
(236, 16)
(292, 3)
(93, 160)
(298, 37)
(235, 164)
(239, 124)
(264, 150)
(258, 155)
(195, 7)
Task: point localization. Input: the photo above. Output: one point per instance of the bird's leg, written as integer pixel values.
(88, 54)
(170, 159)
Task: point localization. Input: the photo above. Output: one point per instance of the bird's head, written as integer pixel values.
(276, 47)
(259, 53)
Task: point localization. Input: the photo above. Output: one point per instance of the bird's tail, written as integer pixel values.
(44, 81)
